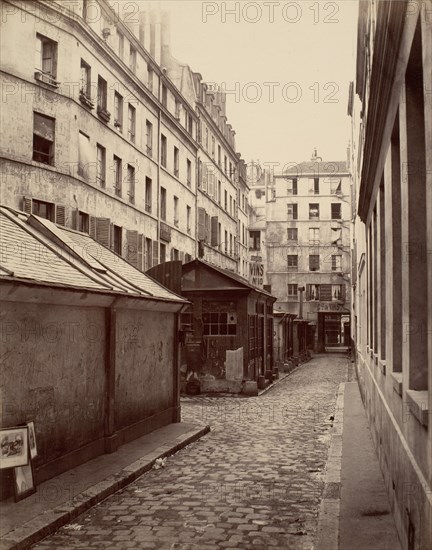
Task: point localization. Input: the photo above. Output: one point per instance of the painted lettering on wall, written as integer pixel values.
(256, 274)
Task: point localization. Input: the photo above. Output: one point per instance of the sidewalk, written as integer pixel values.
(355, 512)
(63, 498)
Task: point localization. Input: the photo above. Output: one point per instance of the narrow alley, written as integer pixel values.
(255, 481)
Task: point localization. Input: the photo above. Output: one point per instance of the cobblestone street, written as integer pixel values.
(254, 481)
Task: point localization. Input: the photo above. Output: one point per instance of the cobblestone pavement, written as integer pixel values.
(254, 482)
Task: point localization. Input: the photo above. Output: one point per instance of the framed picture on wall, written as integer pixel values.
(14, 447)
(32, 440)
(24, 485)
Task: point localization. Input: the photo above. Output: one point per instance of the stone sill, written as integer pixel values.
(397, 382)
(417, 404)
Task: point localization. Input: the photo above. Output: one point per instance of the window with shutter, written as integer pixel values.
(27, 205)
(207, 228)
(314, 261)
(148, 254)
(214, 231)
(201, 224)
(92, 227)
(155, 258)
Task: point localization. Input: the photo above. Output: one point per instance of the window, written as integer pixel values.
(177, 109)
(84, 155)
(164, 95)
(163, 203)
(313, 292)
(118, 111)
(189, 125)
(336, 262)
(102, 94)
(188, 218)
(230, 210)
(162, 258)
(217, 322)
(314, 211)
(292, 186)
(132, 58)
(176, 218)
(219, 155)
(314, 262)
(219, 192)
(337, 293)
(149, 78)
(292, 234)
(336, 211)
(188, 172)
(316, 186)
(292, 262)
(336, 186)
(100, 165)
(120, 42)
(231, 244)
(213, 147)
(83, 222)
(148, 195)
(226, 242)
(149, 138)
(314, 235)
(255, 240)
(46, 58)
(226, 199)
(292, 211)
(117, 175)
(336, 235)
(43, 138)
(206, 138)
(225, 164)
(43, 209)
(117, 239)
(148, 253)
(131, 122)
(176, 162)
(292, 291)
(131, 183)
(85, 80)
(163, 158)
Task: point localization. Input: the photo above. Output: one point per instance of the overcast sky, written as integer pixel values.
(303, 50)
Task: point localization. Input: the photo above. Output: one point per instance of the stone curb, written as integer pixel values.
(48, 522)
(327, 537)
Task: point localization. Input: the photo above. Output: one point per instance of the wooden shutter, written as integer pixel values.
(155, 259)
(92, 226)
(111, 235)
(343, 293)
(140, 252)
(27, 205)
(182, 257)
(211, 184)
(207, 228)
(75, 219)
(148, 254)
(60, 214)
(214, 231)
(201, 224)
(204, 177)
(103, 231)
(132, 247)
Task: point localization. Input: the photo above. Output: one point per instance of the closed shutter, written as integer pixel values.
(204, 177)
(155, 259)
(60, 214)
(201, 224)
(111, 235)
(103, 231)
(27, 205)
(207, 228)
(92, 226)
(132, 247)
(140, 252)
(214, 231)
(211, 184)
(343, 293)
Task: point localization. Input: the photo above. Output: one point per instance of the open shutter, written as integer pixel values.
(140, 252)
(60, 214)
(214, 231)
(27, 205)
(201, 224)
(103, 231)
(92, 226)
(111, 236)
(182, 257)
(155, 259)
(204, 177)
(132, 247)
(211, 184)
(75, 219)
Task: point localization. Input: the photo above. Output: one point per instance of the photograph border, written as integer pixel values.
(20, 496)
(13, 462)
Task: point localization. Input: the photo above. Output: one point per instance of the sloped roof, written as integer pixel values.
(240, 282)
(330, 167)
(40, 251)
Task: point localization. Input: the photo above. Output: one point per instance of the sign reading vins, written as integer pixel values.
(256, 274)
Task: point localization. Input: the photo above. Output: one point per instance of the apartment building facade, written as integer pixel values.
(392, 269)
(101, 137)
(307, 240)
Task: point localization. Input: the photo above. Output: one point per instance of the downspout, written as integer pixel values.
(158, 179)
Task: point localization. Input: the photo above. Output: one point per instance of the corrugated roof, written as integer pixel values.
(38, 250)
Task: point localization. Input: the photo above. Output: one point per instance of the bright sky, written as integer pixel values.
(287, 63)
